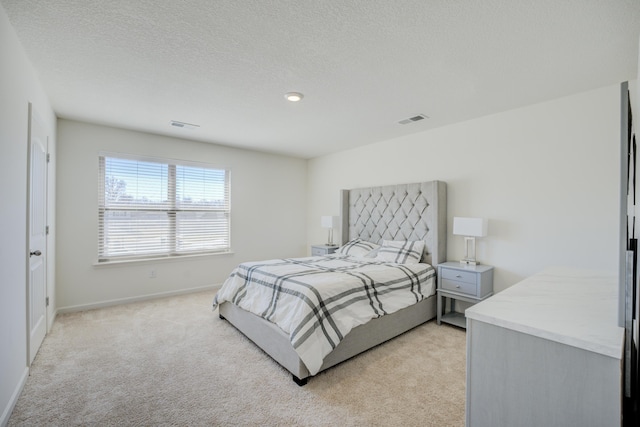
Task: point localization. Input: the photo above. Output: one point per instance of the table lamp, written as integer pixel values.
(470, 228)
(329, 222)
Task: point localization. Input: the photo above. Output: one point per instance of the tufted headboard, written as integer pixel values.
(398, 212)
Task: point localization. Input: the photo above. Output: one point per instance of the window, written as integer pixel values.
(152, 208)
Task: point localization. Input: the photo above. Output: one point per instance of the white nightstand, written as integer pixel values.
(319, 250)
(456, 281)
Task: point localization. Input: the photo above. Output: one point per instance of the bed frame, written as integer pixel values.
(393, 212)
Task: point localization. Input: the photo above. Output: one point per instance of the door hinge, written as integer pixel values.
(47, 301)
(46, 230)
(48, 157)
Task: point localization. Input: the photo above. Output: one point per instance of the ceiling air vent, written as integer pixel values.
(183, 125)
(413, 119)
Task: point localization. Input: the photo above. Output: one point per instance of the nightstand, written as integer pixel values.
(461, 282)
(319, 250)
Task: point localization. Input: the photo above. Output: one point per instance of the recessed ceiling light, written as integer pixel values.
(293, 96)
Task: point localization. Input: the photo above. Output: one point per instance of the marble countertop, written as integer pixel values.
(573, 307)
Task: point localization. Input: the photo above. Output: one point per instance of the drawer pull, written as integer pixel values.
(457, 275)
(458, 286)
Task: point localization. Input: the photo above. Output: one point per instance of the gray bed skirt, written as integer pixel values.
(276, 344)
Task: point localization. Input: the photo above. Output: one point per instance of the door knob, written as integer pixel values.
(36, 253)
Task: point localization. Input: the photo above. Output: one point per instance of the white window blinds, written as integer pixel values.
(153, 208)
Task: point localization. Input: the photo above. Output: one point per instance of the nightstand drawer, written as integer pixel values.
(318, 251)
(460, 276)
(460, 287)
(321, 250)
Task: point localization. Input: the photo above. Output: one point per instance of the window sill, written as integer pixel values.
(159, 259)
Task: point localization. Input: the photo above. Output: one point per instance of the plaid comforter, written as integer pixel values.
(318, 300)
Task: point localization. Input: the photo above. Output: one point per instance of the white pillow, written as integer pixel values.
(357, 247)
(401, 252)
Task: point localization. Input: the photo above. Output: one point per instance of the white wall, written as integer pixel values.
(18, 86)
(546, 177)
(268, 200)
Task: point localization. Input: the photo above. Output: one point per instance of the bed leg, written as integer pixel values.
(299, 381)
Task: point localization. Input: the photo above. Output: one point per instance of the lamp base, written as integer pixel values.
(469, 251)
(330, 239)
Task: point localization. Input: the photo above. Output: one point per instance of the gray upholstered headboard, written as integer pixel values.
(398, 212)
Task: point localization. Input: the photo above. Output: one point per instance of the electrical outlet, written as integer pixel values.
(152, 274)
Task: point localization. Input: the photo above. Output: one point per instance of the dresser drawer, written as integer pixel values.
(460, 276)
(460, 287)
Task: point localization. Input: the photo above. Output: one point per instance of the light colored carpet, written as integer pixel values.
(172, 361)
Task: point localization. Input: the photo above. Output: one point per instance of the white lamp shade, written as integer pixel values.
(474, 227)
(329, 221)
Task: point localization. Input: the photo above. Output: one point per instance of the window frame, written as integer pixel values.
(172, 209)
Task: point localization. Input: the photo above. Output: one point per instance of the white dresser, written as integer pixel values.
(546, 352)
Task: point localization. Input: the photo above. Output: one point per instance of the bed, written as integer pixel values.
(385, 218)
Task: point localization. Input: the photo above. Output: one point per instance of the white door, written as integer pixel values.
(37, 233)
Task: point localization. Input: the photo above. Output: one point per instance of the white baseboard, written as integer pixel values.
(51, 320)
(83, 307)
(6, 414)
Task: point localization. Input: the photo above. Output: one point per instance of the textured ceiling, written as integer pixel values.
(362, 65)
